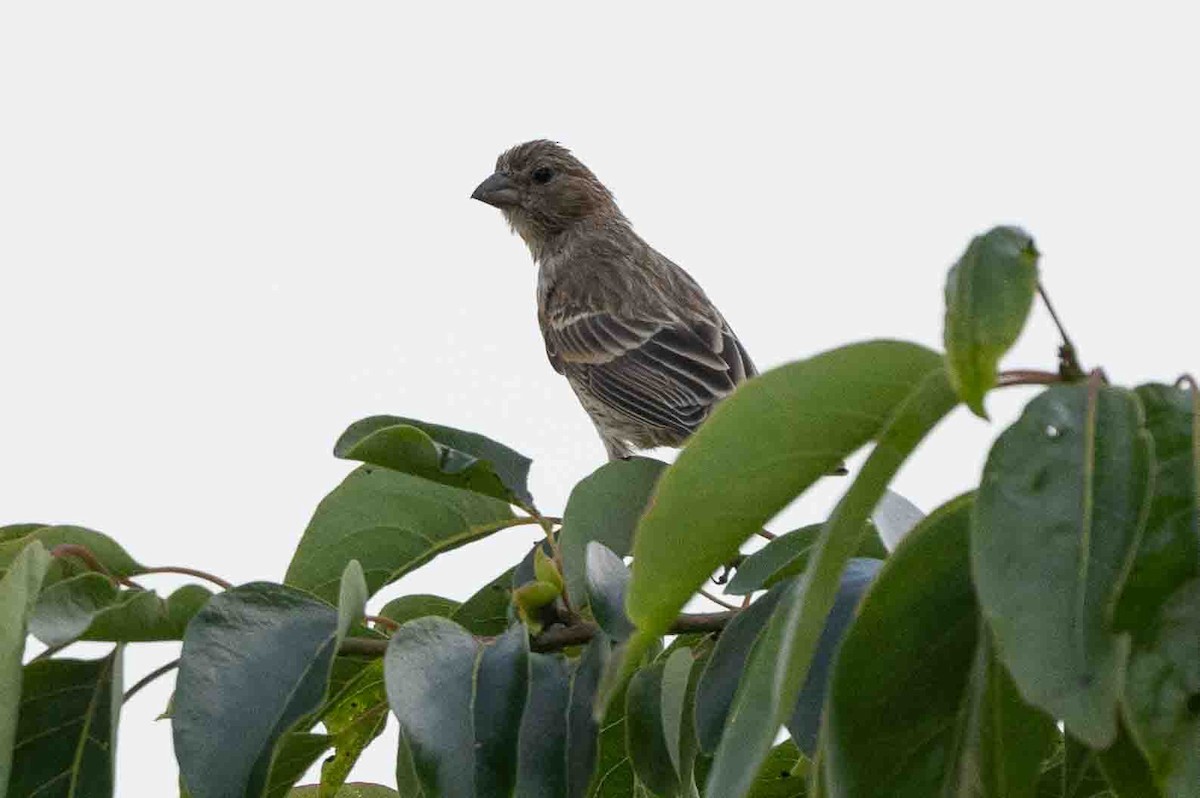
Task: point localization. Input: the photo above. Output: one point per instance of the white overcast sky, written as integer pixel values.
(229, 229)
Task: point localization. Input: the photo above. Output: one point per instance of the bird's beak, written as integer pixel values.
(497, 191)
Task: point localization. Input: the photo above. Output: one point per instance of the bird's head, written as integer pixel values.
(544, 190)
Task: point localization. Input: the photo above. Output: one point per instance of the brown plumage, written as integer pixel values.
(644, 349)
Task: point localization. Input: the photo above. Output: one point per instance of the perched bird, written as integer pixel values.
(644, 349)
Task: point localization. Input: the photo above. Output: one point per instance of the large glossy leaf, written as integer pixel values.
(915, 689)
(645, 739)
(542, 760)
(429, 668)
(988, 296)
(18, 591)
(106, 550)
(779, 664)
(392, 522)
(723, 671)
(441, 454)
(1162, 694)
(605, 507)
(787, 555)
(67, 731)
(1169, 552)
(501, 687)
(255, 661)
(607, 585)
(805, 720)
(583, 733)
(90, 607)
(772, 439)
(459, 706)
(1056, 525)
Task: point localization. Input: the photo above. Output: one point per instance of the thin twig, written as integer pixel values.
(718, 600)
(1027, 377)
(382, 620)
(149, 677)
(762, 533)
(179, 569)
(1068, 358)
(89, 559)
(51, 651)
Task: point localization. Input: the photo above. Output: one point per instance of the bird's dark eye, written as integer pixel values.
(542, 175)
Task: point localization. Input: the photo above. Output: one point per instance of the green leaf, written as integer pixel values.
(486, 612)
(782, 775)
(429, 668)
(988, 296)
(545, 570)
(67, 731)
(256, 661)
(583, 733)
(805, 721)
(605, 507)
(779, 664)
(441, 454)
(677, 669)
(773, 438)
(645, 738)
(1169, 552)
(418, 605)
(1071, 772)
(614, 776)
(903, 671)
(18, 591)
(607, 584)
(393, 522)
(787, 555)
(352, 597)
(501, 688)
(294, 755)
(1129, 776)
(542, 760)
(1057, 522)
(353, 790)
(1162, 693)
(105, 549)
(724, 669)
(90, 607)
(353, 719)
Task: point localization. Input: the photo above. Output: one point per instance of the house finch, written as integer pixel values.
(644, 349)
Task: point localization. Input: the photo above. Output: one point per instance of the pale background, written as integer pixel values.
(229, 229)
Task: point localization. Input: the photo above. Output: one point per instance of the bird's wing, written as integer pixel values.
(664, 372)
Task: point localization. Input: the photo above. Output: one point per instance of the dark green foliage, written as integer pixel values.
(1065, 590)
